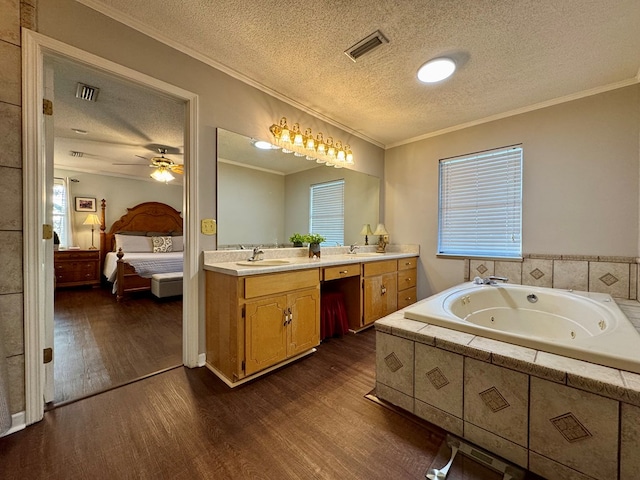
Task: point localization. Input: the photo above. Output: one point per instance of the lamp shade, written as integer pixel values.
(380, 230)
(92, 219)
(366, 230)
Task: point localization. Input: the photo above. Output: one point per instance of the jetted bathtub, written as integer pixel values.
(583, 325)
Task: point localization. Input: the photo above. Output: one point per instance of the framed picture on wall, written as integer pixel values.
(85, 204)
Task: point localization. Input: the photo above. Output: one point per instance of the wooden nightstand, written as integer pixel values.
(76, 268)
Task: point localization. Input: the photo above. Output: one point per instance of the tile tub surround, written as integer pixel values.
(617, 276)
(551, 414)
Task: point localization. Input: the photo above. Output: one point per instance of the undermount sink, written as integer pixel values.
(264, 263)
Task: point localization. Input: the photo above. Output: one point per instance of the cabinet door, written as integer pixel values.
(380, 296)
(266, 333)
(304, 325)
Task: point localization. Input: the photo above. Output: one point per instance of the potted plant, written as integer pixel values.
(297, 239)
(314, 240)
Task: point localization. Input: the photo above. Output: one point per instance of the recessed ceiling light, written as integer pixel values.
(436, 70)
(262, 145)
(79, 132)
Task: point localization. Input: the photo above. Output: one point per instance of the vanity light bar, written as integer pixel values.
(292, 140)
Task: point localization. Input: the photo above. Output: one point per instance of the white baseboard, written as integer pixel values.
(202, 359)
(18, 422)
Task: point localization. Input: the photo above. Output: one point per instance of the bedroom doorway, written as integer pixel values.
(38, 249)
(100, 343)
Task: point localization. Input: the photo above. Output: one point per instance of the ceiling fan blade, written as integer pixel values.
(144, 158)
(179, 169)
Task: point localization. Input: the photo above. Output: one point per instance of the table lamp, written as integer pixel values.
(366, 231)
(92, 219)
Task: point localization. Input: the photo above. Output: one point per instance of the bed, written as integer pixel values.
(147, 240)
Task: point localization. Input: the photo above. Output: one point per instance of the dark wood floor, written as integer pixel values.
(100, 343)
(307, 420)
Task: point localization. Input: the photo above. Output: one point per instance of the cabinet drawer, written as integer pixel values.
(273, 283)
(71, 255)
(343, 271)
(407, 263)
(378, 268)
(406, 279)
(406, 297)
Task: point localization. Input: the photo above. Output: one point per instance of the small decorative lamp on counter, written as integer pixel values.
(383, 238)
(366, 231)
(92, 219)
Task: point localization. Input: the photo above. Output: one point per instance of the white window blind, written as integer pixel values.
(480, 210)
(327, 211)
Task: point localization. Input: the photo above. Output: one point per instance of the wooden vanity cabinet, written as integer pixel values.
(280, 327)
(407, 273)
(380, 290)
(257, 322)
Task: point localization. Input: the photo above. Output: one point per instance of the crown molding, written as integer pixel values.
(518, 111)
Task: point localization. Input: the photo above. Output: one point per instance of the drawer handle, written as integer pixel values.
(408, 279)
(407, 263)
(383, 290)
(343, 272)
(408, 298)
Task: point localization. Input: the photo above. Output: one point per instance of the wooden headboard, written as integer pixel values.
(145, 217)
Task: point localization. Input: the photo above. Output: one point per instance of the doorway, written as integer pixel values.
(105, 132)
(35, 48)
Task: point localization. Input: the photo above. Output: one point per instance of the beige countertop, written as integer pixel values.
(234, 262)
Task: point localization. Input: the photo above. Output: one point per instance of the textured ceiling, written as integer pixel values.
(125, 123)
(510, 54)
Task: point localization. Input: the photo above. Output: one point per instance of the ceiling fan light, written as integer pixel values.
(436, 70)
(162, 175)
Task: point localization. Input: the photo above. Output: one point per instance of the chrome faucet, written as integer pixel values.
(352, 248)
(257, 251)
(490, 280)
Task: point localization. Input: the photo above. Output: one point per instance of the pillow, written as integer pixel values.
(134, 243)
(178, 243)
(162, 244)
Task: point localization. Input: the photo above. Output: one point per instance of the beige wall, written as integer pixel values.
(580, 181)
(120, 193)
(253, 212)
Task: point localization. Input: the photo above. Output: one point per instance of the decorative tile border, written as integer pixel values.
(593, 273)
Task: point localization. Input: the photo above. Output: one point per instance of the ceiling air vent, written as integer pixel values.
(366, 45)
(73, 153)
(87, 92)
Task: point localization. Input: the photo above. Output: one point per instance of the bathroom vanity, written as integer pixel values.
(262, 315)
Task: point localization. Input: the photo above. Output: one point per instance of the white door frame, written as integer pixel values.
(34, 47)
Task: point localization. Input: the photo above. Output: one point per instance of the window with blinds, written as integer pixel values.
(327, 211)
(480, 211)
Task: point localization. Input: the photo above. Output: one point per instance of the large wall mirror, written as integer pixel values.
(263, 195)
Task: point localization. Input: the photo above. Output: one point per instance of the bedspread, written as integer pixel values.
(145, 264)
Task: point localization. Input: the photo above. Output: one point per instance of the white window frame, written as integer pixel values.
(326, 211)
(61, 225)
(480, 204)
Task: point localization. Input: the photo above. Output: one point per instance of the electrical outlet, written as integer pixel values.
(208, 226)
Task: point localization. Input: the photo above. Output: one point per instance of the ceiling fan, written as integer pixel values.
(163, 166)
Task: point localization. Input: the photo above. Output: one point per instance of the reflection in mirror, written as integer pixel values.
(263, 195)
